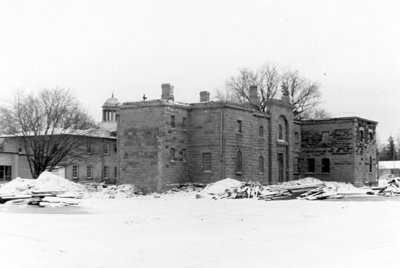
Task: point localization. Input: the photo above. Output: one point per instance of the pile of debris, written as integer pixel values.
(234, 189)
(392, 188)
(102, 190)
(307, 189)
(48, 190)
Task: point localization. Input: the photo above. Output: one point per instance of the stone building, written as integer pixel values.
(164, 142)
(339, 149)
(156, 143)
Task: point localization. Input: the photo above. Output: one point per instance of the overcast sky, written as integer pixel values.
(131, 47)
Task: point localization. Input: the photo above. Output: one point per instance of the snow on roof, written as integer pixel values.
(93, 132)
(389, 164)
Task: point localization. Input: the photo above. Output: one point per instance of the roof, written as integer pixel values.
(93, 132)
(112, 101)
(336, 119)
(389, 164)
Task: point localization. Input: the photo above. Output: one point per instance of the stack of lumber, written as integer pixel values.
(255, 190)
(320, 193)
(391, 189)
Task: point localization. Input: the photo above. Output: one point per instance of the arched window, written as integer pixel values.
(239, 161)
(280, 136)
(261, 164)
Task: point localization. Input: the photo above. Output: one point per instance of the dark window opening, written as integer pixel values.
(172, 121)
(311, 165)
(239, 126)
(183, 155)
(184, 122)
(260, 131)
(325, 165)
(296, 136)
(5, 173)
(115, 172)
(89, 148)
(361, 135)
(206, 161)
(261, 164)
(280, 135)
(239, 161)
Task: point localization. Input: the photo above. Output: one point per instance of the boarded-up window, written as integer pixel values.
(325, 165)
(261, 131)
(325, 137)
(184, 155)
(296, 136)
(89, 148)
(296, 165)
(206, 161)
(261, 164)
(239, 161)
(311, 165)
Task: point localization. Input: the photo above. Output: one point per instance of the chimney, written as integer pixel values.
(204, 96)
(253, 95)
(167, 92)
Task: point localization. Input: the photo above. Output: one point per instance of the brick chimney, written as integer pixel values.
(253, 95)
(167, 92)
(204, 96)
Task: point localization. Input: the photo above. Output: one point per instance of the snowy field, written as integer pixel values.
(178, 230)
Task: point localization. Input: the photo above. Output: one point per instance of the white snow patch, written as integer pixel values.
(220, 187)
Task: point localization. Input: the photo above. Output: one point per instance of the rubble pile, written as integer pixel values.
(234, 189)
(392, 188)
(41, 191)
(322, 192)
(102, 190)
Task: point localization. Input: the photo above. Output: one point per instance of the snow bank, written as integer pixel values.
(17, 186)
(220, 187)
(49, 182)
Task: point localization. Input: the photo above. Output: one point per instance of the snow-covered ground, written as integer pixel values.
(178, 230)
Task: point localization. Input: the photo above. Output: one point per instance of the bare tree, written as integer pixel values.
(266, 78)
(304, 94)
(51, 126)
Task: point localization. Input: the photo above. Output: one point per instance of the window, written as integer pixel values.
(115, 172)
(106, 149)
(206, 161)
(172, 154)
(105, 172)
(296, 136)
(184, 122)
(5, 173)
(115, 148)
(183, 155)
(261, 164)
(325, 165)
(361, 135)
(260, 131)
(239, 162)
(296, 165)
(75, 172)
(311, 165)
(325, 136)
(89, 148)
(371, 136)
(370, 164)
(239, 126)
(173, 121)
(280, 135)
(89, 172)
